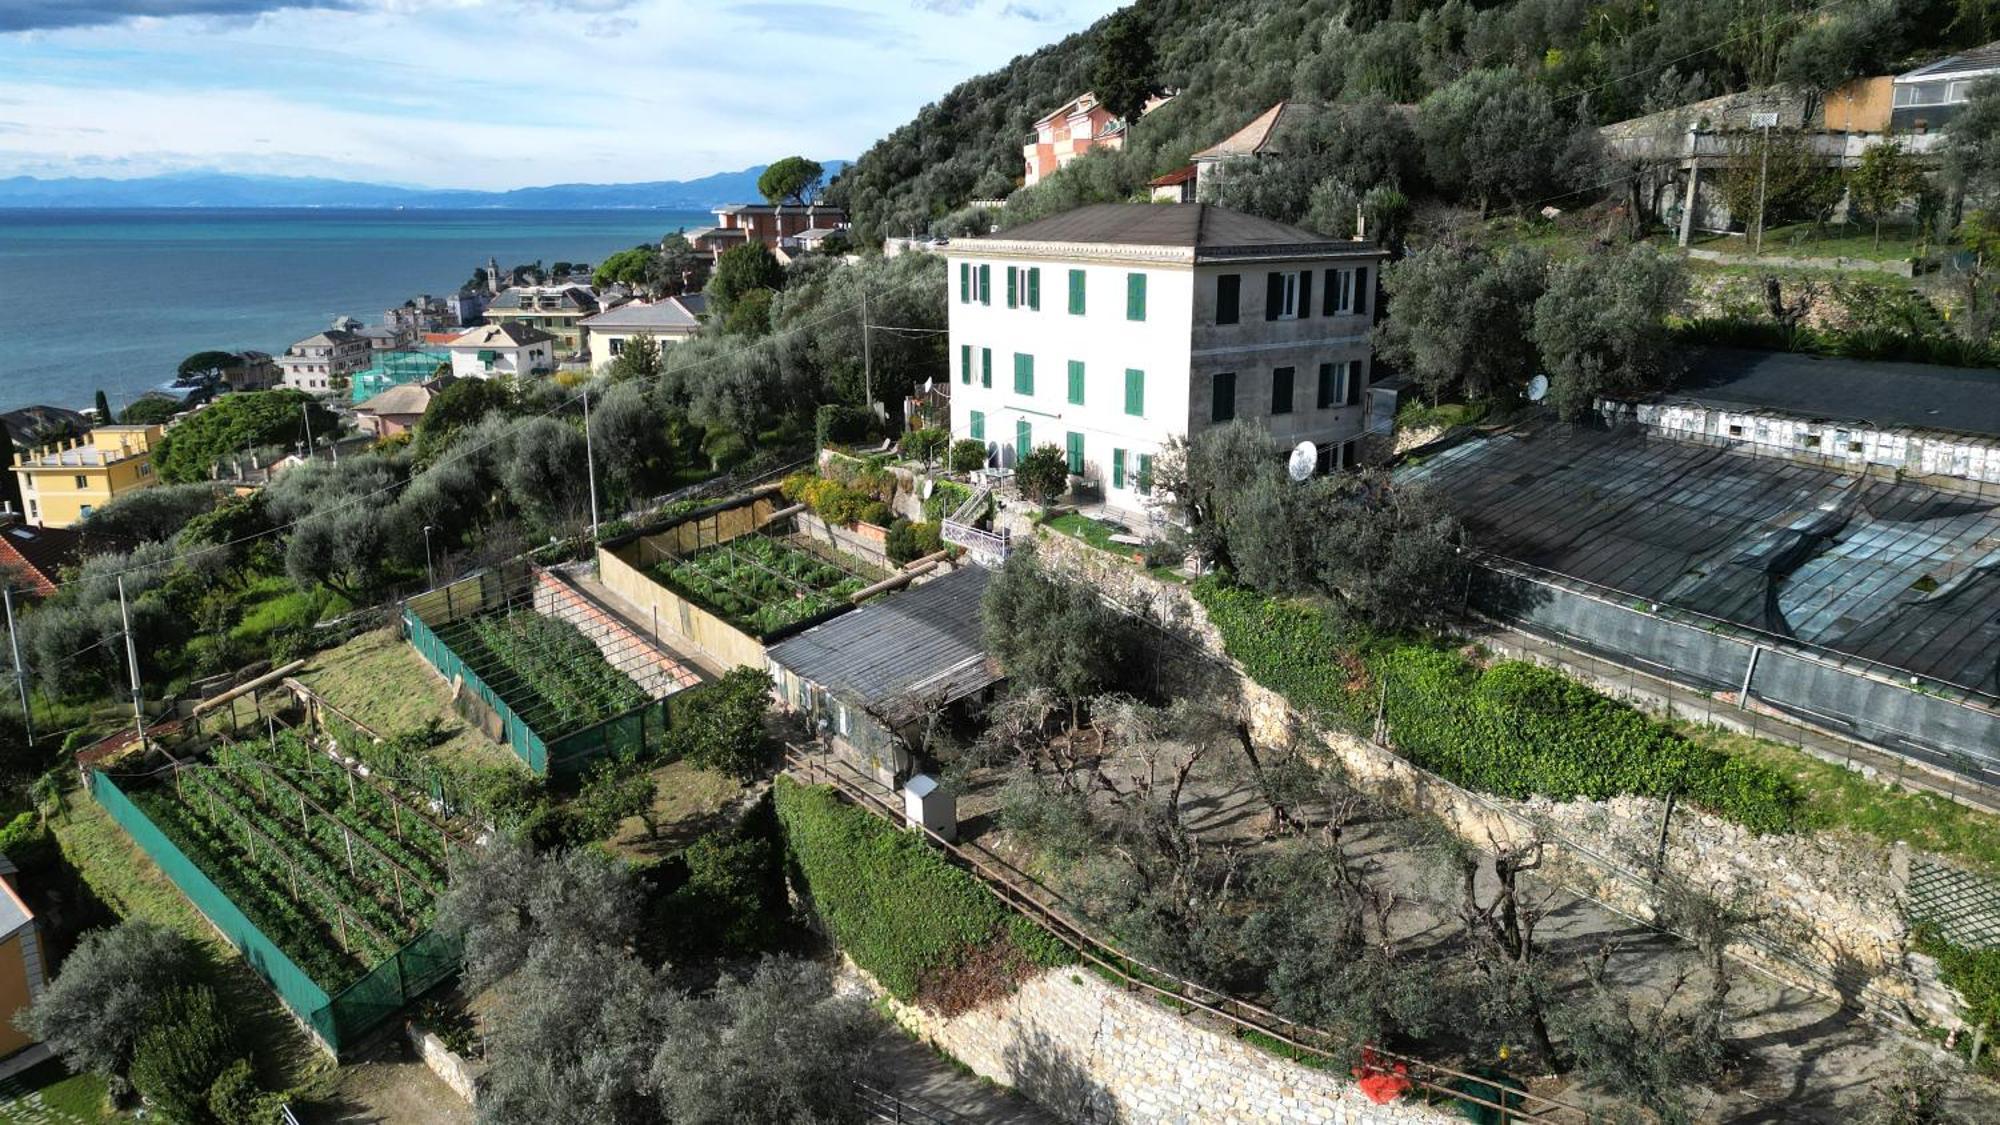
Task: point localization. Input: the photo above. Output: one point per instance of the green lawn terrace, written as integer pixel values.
(543, 668)
(324, 875)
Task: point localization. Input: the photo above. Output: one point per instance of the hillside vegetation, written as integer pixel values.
(1584, 63)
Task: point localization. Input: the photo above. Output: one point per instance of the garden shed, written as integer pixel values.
(870, 677)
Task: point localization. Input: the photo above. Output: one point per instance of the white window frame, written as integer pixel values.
(1288, 304)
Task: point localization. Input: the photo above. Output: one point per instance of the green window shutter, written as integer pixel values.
(1076, 382)
(985, 285)
(965, 363)
(1281, 390)
(1075, 442)
(1035, 288)
(1118, 468)
(964, 282)
(1326, 393)
(1024, 439)
(1145, 472)
(1024, 373)
(1222, 404)
(1135, 296)
(1013, 286)
(978, 427)
(986, 367)
(1076, 292)
(1135, 392)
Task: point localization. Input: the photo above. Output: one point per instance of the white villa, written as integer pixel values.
(1110, 329)
(494, 351)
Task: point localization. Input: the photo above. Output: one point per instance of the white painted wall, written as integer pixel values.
(1178, 346)
(522, 361)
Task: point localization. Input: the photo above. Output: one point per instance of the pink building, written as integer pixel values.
(1072, 130)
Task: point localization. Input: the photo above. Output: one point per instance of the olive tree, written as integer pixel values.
(1460, 318)
(93, 1013)
(1601, 327)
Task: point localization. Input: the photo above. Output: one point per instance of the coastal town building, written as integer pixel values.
(1112, 329)
(667, 321)
(509, 348)
(1067, 132)
(320, 364)
(1262, 137)
(399, 409)
(252, 371)
(23, 974)
(558, 310)
(769, 223)
(64, 482)
(32, 558)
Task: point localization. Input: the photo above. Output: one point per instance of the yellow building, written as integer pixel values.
(63, 483)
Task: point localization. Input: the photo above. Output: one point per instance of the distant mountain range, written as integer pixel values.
(222, 190)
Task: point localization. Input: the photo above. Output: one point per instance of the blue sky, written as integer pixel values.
(484, 93)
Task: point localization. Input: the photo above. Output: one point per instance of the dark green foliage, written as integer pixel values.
(188, 1044)
(926, 445)
(1601, 327)
(1051, 633)
(740, 271)
(153, 513)
(633, 267)
(720, 726)
(1122, 74)
(512, 906)
(907, 541)
(150, 410)
(1513, 729)
(246, 420)
(207, 365)
(1043, 474)
(454, 408)
(968, 455)
(733, 902)
(890, 900)
(778, 1046)
(1973, 973)
(1493, 135)
(791, 180)
(93, 1012)
(757, 583)
(1460, 319)
(237, 1099)
(836, 424)
(614, 790)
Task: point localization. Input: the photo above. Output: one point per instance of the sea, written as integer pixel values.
(114, 300)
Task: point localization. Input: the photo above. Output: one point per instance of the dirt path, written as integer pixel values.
(926, 1082)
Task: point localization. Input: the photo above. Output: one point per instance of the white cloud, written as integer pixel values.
(500, 93)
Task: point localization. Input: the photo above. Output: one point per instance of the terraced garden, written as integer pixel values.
(339, 870)
(759, 584)
(550, 674)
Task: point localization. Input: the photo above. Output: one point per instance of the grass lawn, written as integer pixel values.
(686, 803)
(379, 679)
(1446, 414)
(49, 1094)
(1839, 798)
(1801, 240)
(1097, 533)
(132, 886)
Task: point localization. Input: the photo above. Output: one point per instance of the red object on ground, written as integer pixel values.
(1380, 1084)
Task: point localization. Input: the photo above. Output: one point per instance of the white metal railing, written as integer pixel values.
(986, 546)
(974, 505)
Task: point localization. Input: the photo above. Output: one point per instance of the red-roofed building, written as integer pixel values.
(1176, 186)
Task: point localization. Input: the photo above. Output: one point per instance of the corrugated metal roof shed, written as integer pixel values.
(1889, 571)
(901, 647)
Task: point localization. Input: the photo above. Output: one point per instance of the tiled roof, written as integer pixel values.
(666, 314)
(1174, 178)
(34, 556)
(1258, 137)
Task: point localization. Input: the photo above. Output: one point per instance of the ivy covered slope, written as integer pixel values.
(1509, 728)
(923, 928)
(1232, 59)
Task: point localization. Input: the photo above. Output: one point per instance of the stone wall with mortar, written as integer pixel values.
(1829, 905)
(455, 1069)
(1093, 1054)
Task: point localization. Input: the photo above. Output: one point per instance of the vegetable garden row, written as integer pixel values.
(548, 672)
(338, 870)
(759, 584)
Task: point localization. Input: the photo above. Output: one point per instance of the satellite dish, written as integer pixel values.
(1538, 388)
(927, 385)
(1304, 459)
(929, 486)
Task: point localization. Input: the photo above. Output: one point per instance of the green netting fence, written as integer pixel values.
(515, 731)
(338, 1021)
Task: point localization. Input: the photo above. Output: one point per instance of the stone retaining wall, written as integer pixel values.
(1831, 908)
(455, 1069)
(1093, 1054)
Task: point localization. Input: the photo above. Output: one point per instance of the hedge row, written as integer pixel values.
(1511, 728)
(891, 901)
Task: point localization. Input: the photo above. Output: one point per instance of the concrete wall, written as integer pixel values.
(1091, 1053)
(864, 541)
(726, 643)
(456, 1070)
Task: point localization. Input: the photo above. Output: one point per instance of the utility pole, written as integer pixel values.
(305, 411)
(590, 464)
(131, 663)
(1764, 121)
(429, 570)
(20, 673)
(867, 359)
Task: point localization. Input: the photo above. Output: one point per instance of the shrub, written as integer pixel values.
(836, 424)
(1043, 474)
(1513, 729)
(720, 726)
(927, 444)
(945, 498)
(894, 904)
(26, 840)
(968, 455)
(908, 541)
(734, 897)
(93, 1012)
(187, 1046)
(237, 1099)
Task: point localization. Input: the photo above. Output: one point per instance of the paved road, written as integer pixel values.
(930, 1083)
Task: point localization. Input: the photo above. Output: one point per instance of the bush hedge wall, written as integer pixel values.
(1511, 728)
(891, 901)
